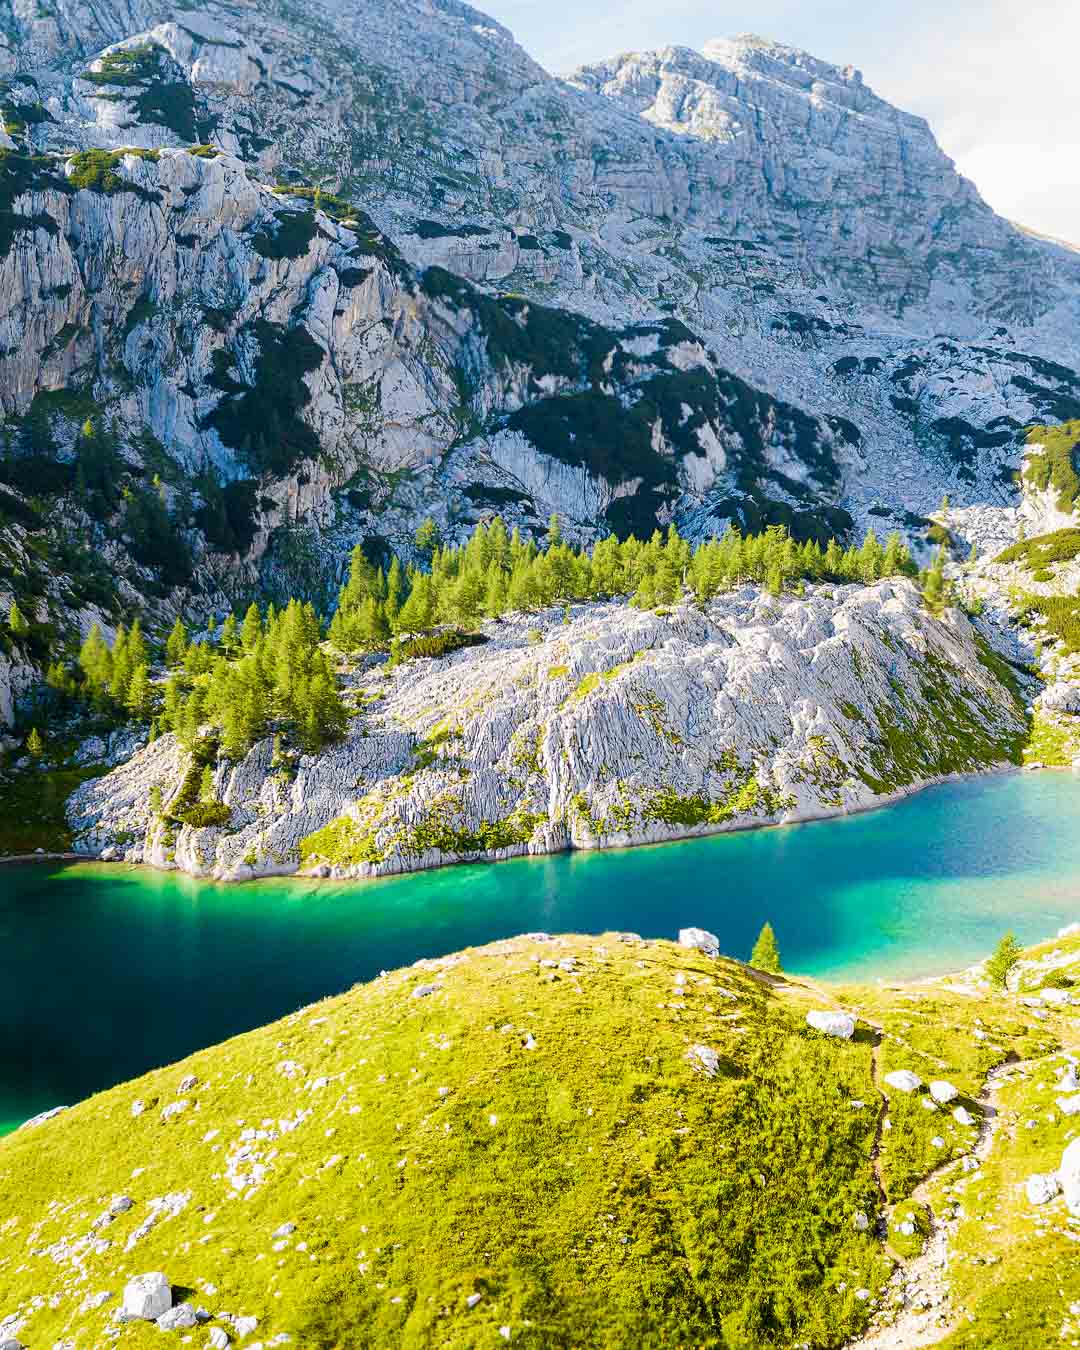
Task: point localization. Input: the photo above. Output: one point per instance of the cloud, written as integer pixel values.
(996, 80)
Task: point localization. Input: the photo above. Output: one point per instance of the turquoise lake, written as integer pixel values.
(108, 971)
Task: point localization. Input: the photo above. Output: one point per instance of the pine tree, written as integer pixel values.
(1006, 954)
(934, 590)
(766, 954)
(17, 621)
(427, 538)
(176, 644)
(35, 744)
(206, 784)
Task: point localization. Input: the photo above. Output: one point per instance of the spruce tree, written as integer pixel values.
(17, 621)
(35, 744)
(766, 954)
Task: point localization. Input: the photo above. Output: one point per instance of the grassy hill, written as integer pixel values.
(575, 1141)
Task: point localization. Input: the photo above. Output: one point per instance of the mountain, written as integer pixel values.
(584, 1141)
(715, 286)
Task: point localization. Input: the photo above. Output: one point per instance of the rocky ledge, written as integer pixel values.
(593, 727)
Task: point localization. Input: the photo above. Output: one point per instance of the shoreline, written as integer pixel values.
(504, 855)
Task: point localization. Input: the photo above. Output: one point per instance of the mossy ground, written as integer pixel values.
(527, 1122)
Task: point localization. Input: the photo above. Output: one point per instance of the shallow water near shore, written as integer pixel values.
(108, 971)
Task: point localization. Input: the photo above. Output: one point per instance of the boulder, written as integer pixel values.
(861, 1221)
(1056, 998)
(963, 1116)
(217, 1338)
(1070, 1080)
(41, 1118)
(1069, 1106)
(943, 1092)
(147, 1296)
(700, 939)
(705, 1058)
(177, 1319)
(1069, 1177)
(1041, 1188)
(839, 1024)
(903, 1080)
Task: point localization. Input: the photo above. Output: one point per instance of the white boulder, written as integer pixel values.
(700, 939)
(1069, 1106)
(903, 1080)
(963, 1116)
(1041, 1188)
(943, 1092)
(147, 1296)
(839, 1024)
(177, 1319)
(705, 1058)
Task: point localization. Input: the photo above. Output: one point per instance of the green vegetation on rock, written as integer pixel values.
(1055, 465)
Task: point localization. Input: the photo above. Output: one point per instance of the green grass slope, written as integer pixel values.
(519, 1142)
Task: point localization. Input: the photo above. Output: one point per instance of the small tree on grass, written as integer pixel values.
(35, 744)
(766, 954)
(1006, 954)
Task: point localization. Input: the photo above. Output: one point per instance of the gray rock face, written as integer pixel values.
(617, 727)
(147, 1297)
(807, 314)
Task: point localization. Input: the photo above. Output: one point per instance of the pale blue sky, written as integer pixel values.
(999, 80)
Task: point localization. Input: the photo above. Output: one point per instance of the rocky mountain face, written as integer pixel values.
(727, 285)
(612, 727)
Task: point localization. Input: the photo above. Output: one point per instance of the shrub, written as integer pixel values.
(201, 815)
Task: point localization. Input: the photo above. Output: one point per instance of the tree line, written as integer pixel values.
(273, 670)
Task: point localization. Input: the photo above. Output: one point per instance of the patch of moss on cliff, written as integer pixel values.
(747, 797)
(96, 171)
(161, 99)
(1043, 550)
(1055, 464)
(949, 731)
(344, 842)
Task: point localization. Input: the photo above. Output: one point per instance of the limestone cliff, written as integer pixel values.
(608, 726)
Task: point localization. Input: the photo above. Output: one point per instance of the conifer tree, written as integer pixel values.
(766, 953)
(1000, 965)
(17, 621)
(35, 744)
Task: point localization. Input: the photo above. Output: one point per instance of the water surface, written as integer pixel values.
(108, 971)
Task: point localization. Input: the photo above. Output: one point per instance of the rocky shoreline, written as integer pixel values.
(600, 727)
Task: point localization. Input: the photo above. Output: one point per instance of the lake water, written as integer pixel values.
(107, 971)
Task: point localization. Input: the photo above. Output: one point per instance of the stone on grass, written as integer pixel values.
(1069, 1106)
(963, 1116)
(175, 1109)
(838, 1024)
(147, 1296)
(700, 939)
(120, 1204)
(177, 1319)
(943, 1091)
(284, 1230)
(217, 1338)
(423, 990)
(705, 1058)
(1069, 1176)
(903, 1080)
(42, 1117)
(1070, 1080)
(1041, 1188)
(187, 1084)
(861, 1221)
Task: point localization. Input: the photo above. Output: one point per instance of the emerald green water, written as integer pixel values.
(108, 971)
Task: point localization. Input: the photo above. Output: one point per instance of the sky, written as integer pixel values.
(998, 80)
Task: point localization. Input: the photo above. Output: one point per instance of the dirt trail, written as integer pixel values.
(918, 1308)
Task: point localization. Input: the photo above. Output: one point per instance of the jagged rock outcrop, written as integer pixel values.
(812, 242)
(614, 727)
